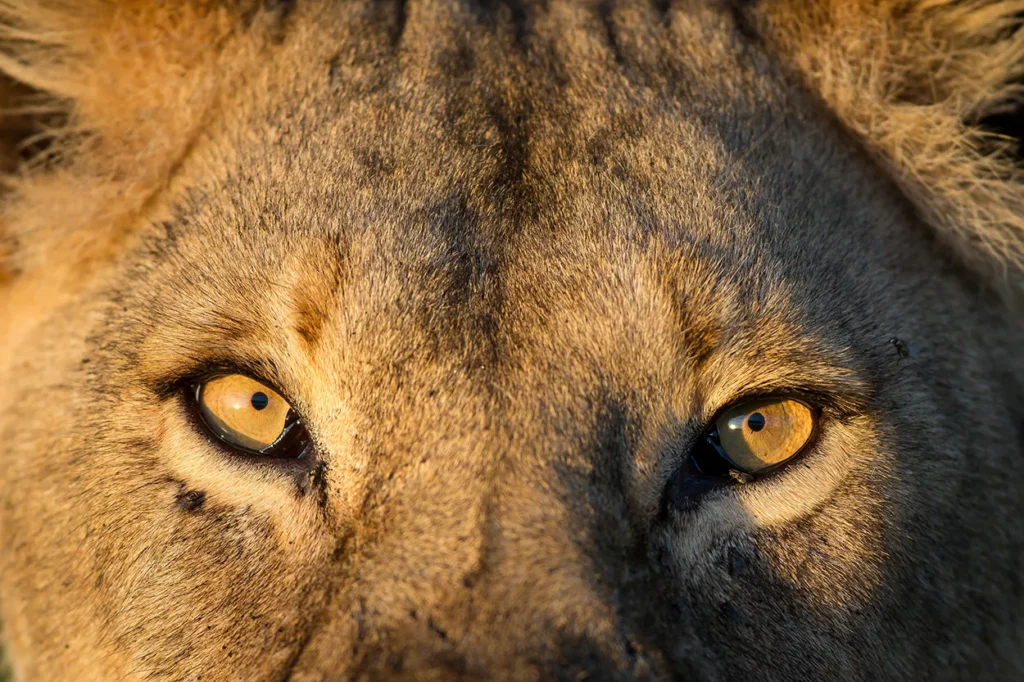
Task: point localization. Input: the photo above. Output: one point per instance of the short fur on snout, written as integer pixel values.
(508, 260)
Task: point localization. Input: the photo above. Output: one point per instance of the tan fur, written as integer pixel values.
(508, 260)
(913, 78)
(131, 85)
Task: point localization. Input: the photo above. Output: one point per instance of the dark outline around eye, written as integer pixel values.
(294, 443)
(706, 467)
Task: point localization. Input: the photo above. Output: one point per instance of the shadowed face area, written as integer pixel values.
(507, 266)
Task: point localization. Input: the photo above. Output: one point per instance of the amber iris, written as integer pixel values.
(243, 412)
(761, 434)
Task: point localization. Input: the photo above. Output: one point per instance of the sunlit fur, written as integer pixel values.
(508, 260)
(914, 78)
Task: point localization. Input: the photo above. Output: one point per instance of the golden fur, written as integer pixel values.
(913, 79)
(138, 79)
(508, 259)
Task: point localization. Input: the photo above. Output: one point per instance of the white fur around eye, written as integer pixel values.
(793, 493)
(798, 490)
(199, 464)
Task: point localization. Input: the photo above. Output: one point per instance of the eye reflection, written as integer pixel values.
(243, 412)
(759, 435)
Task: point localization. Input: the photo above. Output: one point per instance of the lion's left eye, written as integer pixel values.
(759, 435)
(250, 416)
(747, 439)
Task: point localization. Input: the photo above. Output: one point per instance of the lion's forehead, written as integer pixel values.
(533, 178)
(510, 253)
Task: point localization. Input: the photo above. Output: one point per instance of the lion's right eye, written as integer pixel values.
(250, 416)
(760, 435)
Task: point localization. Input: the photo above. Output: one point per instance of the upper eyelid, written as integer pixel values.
(838, 381)
(262, 371)
(841, 407)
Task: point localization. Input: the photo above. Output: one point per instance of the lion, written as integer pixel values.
(518, 340)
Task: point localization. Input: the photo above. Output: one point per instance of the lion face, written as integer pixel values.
(496, 342)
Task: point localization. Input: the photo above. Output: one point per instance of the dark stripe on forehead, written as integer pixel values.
(315, 296)
(471, 278)
(514, 13)
(479, 149)
(457, 228)
(604, 11)
(400, 15)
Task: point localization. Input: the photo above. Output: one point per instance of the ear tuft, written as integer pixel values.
(914, 79)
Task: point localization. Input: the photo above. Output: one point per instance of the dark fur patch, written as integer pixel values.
(376, 162)
(700, 335)
(283, 7)
(746, 26)
(280, 9)
(192, 500)
(457, 226)
(513, 13)
(399, 17)
(606, 13)
(309, 324)
(314, 298)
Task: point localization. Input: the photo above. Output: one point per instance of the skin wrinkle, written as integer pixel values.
(508, 260)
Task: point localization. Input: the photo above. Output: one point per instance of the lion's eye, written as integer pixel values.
(250, 416)
(747, 439)
(760, 435)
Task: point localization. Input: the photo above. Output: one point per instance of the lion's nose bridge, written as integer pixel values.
(486, 560)
(491, 540)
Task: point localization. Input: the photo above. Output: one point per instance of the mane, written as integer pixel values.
(914, 79)
(120, 89)
(117, 92)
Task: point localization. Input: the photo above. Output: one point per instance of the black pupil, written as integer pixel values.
(755, 421)
(260, 400)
